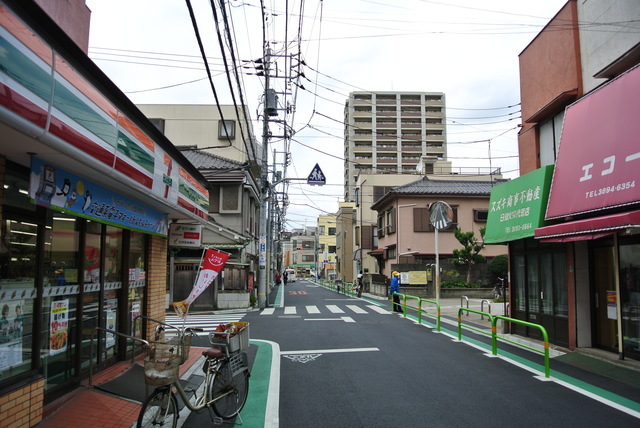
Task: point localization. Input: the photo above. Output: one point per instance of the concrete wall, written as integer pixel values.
(602, 44)
(233, 300)
(197, 125)
(73, 16)
(550, 78)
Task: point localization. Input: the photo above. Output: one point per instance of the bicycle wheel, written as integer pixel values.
(159, 409)
(236, 387)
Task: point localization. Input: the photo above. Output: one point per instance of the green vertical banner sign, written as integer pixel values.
(517, 207)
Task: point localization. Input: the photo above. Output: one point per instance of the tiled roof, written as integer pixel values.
(425, 186)
(204, 160)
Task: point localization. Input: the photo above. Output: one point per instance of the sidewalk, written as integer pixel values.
(91, 407)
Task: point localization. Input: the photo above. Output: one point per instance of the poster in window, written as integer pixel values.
(59, 326)
(612, 301)
(11, 334)
(136, 323)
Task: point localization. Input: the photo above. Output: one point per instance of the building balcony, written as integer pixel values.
(386, 125)
(380, 161)
(412, 149)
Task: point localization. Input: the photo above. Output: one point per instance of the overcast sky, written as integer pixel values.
(465, 48)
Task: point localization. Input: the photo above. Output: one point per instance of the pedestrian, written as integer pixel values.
(359, 284)
(285, 277)
(278, 278)
(395, 288)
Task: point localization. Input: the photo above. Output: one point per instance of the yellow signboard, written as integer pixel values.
(418, 277)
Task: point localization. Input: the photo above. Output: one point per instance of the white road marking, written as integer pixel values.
(334, 309)
(289, 310)
(330, 351)
(313, 310)
(268, 311)
(357, 309)
(378, 309)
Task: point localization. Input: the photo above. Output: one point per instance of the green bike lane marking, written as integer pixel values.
(263, 401)
(602, 395)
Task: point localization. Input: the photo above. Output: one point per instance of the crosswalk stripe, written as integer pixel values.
(378, 309)
(313, 310)
(356, 309)
(334, 309)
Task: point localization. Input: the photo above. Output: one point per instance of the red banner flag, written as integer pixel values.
(212, 264)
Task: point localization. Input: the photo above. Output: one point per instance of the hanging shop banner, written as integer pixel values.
(212, 264)
(517, 207)
(53, 187)
(599, 154)
(59, 326)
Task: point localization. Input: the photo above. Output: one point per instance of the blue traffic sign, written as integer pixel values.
(317, 176)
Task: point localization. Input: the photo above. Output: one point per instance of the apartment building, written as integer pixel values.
(391, 133)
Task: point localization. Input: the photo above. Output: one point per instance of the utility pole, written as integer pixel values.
(265, 187)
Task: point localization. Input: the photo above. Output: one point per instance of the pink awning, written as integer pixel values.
(599, 156)
(591, 228)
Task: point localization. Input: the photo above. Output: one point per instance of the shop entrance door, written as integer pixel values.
(604, 299)
(540, 294)
(101, 303)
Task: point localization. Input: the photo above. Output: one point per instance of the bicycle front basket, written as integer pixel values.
(161, 365)
(183, 345)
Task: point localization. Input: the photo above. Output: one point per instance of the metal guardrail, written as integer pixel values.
(482, 307)
(545, 337)
(494, 335)
(420, 309)
(467, 300)
(492, 318)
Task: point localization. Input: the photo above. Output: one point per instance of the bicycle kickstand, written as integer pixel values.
(217, 420)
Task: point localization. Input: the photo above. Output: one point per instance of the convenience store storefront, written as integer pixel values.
(88, 188)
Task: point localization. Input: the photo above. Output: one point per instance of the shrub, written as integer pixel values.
(459, 284)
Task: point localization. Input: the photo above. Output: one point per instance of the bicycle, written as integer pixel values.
(226, 382)
(498, 289)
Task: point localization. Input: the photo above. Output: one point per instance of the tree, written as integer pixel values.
(470, 252)
(499, 265)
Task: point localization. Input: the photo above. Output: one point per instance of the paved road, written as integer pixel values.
(348, 362)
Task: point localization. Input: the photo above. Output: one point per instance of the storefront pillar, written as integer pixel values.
(157, 285)
(616, 278)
